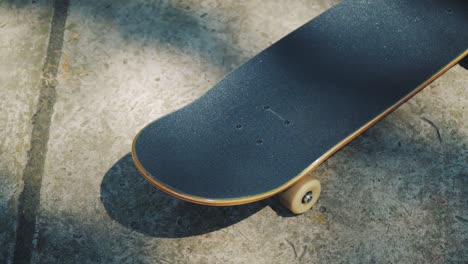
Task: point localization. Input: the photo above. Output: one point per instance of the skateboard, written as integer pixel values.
(267, 124)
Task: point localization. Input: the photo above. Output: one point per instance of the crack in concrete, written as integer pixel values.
(29, 198)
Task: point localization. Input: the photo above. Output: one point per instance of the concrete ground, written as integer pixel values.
(79, 79)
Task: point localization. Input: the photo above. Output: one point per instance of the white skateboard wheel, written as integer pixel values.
(301, 196)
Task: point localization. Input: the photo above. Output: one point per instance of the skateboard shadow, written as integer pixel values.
(136, 204)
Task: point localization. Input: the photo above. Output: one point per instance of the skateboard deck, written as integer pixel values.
(277, 117)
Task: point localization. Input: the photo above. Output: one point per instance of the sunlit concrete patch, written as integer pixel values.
(24, 30)
(126, 63)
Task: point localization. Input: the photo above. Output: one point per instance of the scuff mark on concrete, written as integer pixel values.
(439, 137)
(293, 247)
(461, 219)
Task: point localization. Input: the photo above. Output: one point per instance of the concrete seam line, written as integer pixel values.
(29, 198)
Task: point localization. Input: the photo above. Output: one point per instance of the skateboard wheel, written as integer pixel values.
(302, 195)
